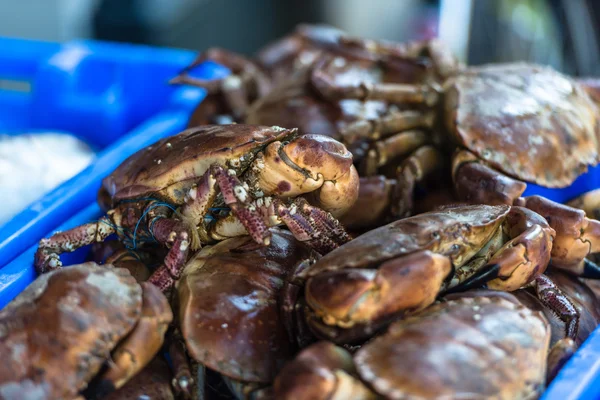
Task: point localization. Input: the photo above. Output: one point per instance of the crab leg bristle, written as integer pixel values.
(199, 199)
(238, 198)
(553, 298)
(318, 228)
(325, 222)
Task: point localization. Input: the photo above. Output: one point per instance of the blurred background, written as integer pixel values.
(561, 33)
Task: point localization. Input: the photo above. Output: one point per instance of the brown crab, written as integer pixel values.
(168, 193)
(401, 268)
(63, 328)
(228, 309)
(468, 347)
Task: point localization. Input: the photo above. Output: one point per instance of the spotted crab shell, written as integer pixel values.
(186, 156)
(472, 347)
(57, 334)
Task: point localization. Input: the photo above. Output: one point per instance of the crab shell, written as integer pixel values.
(471, 347)
(458, 232)
(293, 165)
(521, 118)
(177, 162)
(229, 306)
(60, 330)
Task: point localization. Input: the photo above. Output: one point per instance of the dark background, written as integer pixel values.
(561, 33)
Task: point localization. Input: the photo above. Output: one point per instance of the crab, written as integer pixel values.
(228, 309)
(105, 327)
(219, 181)
(467, 347)
(401, 268)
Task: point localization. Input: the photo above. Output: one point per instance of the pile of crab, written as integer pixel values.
(342, 219)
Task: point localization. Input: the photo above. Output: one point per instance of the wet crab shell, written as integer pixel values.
(520, 118)
(58, 332)
(229, 306)
(472, 347)
(186, 156)
(457, 232)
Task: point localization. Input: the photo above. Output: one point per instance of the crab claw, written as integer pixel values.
(313, 165)
(576, 235)
(522, 259)
(321, 371)
(370, 296)
(142, 344)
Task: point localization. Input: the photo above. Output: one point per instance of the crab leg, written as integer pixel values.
(168, 231)
(444, 62)
(558, 355)
(421, 164)
(183, 380)
(386, 150)
(199, 199)
(236, 196)
(234, 87)
(553, 298)
(312, 225)
(576, 235)
(397, 121)
(399, 93)
(47, 256)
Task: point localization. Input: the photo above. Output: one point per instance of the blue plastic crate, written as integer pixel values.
(116, 98)
(99, 92)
